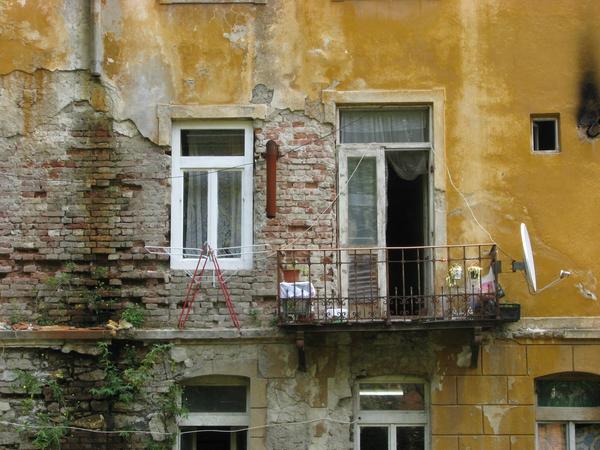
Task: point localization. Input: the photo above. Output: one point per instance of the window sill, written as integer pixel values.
(189, 264)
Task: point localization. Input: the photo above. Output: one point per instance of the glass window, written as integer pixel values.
(392, 396)
(211, 199)
(568, 412)
(392, 415)
(215, 398)
(544, 133)
(229, 228)
(362, 202)
(409, 125)
(212, 142)
(568, 393)
(218, 416)
(552, 436)
(374, 438)
(195, 208)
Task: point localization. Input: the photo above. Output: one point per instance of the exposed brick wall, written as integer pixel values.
(88, 193)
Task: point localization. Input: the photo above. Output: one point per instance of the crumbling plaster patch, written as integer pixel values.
(587, 287)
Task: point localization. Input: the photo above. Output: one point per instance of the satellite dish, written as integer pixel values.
(528, 264)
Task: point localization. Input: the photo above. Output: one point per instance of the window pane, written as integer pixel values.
(213, 438)
(587, 436)
(215, 398)
(392, 396)
(362, 202)
(552, 436)
(410, 438)
(195, 208)
(212, 142)
(374, 438)
(400, 125)
(568, 393)
(187, 440)
(229, 231)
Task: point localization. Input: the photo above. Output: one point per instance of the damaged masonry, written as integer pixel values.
(284, 224)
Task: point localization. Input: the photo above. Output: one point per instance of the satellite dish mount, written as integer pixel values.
(528, 265)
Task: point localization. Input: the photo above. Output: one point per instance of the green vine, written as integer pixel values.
(48, 429)
(123, 382)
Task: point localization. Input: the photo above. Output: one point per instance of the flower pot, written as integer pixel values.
(291, 275)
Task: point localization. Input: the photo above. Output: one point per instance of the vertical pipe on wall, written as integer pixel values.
(95, 38)
(271, 156)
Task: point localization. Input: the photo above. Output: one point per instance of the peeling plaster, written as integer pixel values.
(588, 284)
(237, 36)
(463, 359)
(494, 415)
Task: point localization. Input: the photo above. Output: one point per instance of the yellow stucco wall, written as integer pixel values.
(498, 62)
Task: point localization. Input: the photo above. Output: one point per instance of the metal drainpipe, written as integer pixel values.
(96, 38)
(271, 156)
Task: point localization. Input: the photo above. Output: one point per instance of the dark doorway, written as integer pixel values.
(406, 227)
(213, 438)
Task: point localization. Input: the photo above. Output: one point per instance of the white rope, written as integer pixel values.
(163, 433)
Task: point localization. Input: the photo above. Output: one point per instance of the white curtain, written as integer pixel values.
(195, 209)
(229, 232)
(408, 165)
(399, 125)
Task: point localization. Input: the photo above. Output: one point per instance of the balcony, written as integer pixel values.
(449, 286)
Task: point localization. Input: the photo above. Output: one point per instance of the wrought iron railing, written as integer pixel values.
(387, 284)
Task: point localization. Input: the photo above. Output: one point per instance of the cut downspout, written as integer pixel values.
(271, 156)
(96, 38)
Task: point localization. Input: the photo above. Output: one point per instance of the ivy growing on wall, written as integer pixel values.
(126, 374)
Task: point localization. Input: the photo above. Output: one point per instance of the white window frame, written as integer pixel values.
(241, 419)
(377, 151)
(535, 118)
(213, 164)
(392, 419)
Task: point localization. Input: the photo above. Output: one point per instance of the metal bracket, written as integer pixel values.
(301, 353)
(475, 346)
(518, 265)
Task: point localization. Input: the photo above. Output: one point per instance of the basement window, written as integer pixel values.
(218, 415)
(392, 415)
(568, 411)
(544, 133)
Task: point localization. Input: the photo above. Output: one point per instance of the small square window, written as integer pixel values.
(544, 133)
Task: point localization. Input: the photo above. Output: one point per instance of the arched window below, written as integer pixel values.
(218, 414)
(568, 412)
(392, 414)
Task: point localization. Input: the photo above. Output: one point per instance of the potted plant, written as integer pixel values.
(455, 273)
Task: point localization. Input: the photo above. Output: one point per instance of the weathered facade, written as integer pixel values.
(130, 129)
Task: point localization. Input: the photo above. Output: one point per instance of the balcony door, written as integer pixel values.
(385, 178)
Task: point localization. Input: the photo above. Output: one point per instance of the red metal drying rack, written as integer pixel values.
(194, 285)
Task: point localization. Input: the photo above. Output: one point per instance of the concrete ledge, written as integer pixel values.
(555, 327)
(170, 334)
(167, 113)
(205, 334)
(77, 334)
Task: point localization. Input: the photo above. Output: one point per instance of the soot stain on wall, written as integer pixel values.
(588, 114)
